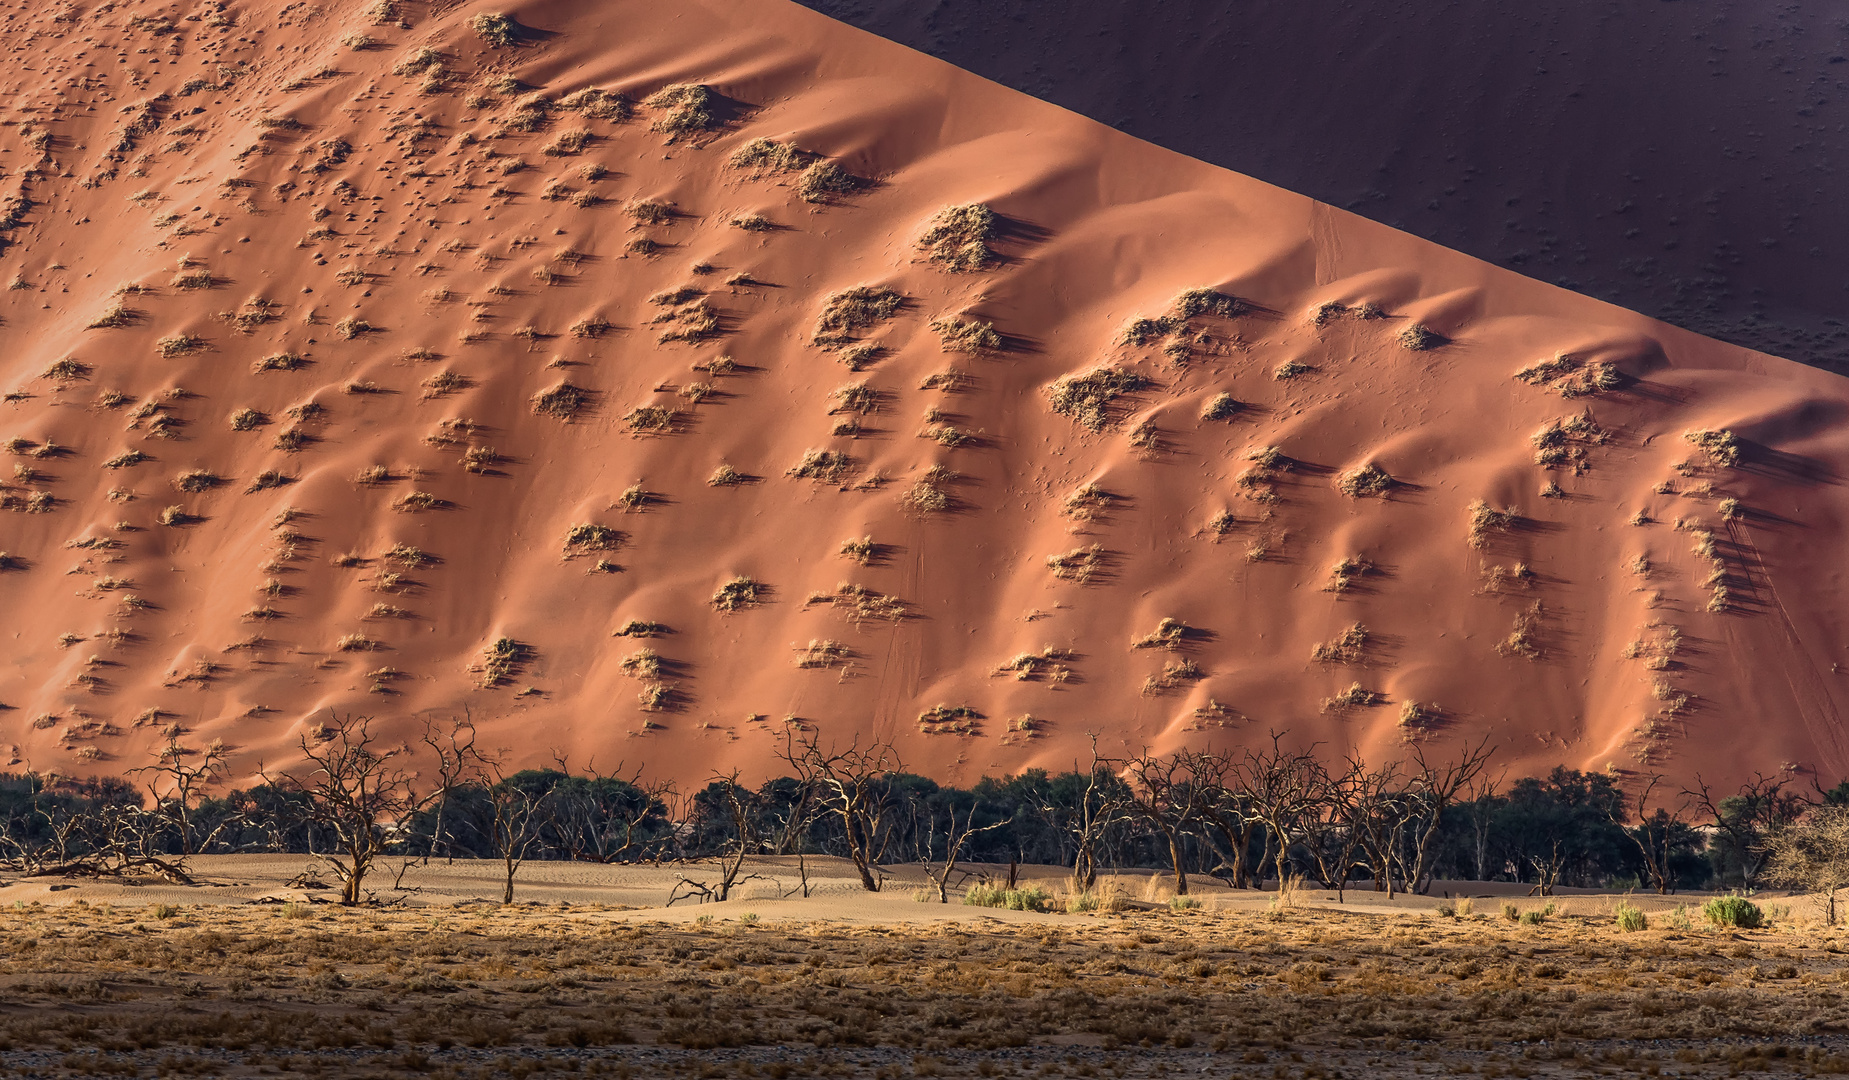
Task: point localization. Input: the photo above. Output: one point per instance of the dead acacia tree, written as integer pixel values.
(1654, 836)
(356, 792)
(517, 812)
(608, 817)
(850, 785)
(740, 806)
(1162, 791)
(1743, 820)
(1435, 786)
(1227, 813)
(176, 781)
(954, 841)
(1280, 785)
(1086, 815)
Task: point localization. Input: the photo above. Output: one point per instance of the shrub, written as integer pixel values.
(197, 480)
(498, 30)
(1735, 911)
(1030, 898)
(685, 109)
(1722, 447)
(959, 237)
(753, 223)
(956, 334)
(1221, 407)
(767, 154)
(1631, 918)
(825, 465)
(649, 420)
(1087, 398)
(823, 180)
(1368, 481)
(1534, 917)
(1418, 337)
(1183, 903)
(563, 401)
(284, 361)
(740, 592)
(854, 309)
(586, 537)
(179, 345)
(726, 476)
(1485, 519)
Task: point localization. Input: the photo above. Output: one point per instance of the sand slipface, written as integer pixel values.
(321, 403)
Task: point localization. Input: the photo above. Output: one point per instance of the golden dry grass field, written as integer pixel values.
(101, 979)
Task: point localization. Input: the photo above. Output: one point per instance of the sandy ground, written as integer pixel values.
(418, 358)
(769, 889)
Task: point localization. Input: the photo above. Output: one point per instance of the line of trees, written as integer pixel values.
(1248, 818)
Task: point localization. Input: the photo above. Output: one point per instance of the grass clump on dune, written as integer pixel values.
(958, 334)
(1087, 397)
(854, 309)
(685, 110)
(960, 238)
(498, 30)
(740, 592)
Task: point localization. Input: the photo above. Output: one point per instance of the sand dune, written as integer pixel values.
(398, 324)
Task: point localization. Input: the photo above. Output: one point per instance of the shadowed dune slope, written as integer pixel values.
(398, 361)
(1676, 158)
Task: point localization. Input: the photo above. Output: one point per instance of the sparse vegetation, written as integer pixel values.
(498, 30)
(1221, 407)
(960, 237)
(1722, 447)
(563, 401)
(957, 334)
(1486, 519)
(738, 593)
(584, 538)
(1571, 377)
(1419, 338)
(650, 420)
(1367, 482)
(1348, 647)
(851, 310)
(828, 466)
(1355, 697)
(1089, 397)
(1079, 565)
(686, 110)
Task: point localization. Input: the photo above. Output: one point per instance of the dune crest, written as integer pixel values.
(643, 380)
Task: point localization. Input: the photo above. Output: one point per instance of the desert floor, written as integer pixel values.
(588, 974)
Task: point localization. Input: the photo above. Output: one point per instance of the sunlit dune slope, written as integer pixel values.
(391, 360)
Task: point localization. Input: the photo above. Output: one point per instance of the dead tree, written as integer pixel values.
(1161, 791)
(850, 785)
(1435, 787)
(1226, 811)
(1099, 807)
(740, 806)
(1811, 854)
(356, 792)
(1280, 785)
(1745, 818)
(1653, 837)
(605, 817)
(954, 841)
(517, 814)
(176, 780)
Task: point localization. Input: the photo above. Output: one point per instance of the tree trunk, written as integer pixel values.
(1178, 859)
(507, 893)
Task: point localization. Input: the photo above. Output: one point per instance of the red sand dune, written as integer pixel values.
(268, 174)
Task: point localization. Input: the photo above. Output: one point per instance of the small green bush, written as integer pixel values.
(1183, 903)
(1534, 918)
(1736, 911)
(1511, 912)
(1631, 918)
(1031, 898)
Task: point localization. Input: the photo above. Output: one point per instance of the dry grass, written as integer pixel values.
(851, 310)
(1089, 397)
(959, 238)
(297, 989)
